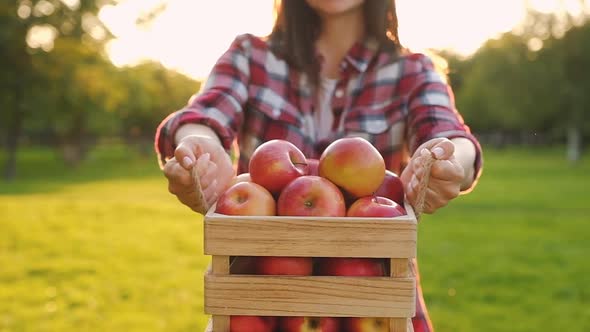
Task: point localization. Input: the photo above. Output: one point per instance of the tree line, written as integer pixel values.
(65, 93)
(531, 85)
(527, 86)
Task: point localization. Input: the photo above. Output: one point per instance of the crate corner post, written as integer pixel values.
(219, 266)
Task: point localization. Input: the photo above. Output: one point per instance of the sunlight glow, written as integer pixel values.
(190, 35)
(42, 36)
(459, 25)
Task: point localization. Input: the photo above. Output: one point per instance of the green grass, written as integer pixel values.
(105, 248)
(100, 248)
(512, 255)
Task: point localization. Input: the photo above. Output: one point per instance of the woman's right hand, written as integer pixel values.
(213, 166)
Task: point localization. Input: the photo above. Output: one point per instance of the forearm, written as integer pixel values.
(195, 129)
(465, 154)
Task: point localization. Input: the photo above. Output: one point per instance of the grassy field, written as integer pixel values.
(105, 248)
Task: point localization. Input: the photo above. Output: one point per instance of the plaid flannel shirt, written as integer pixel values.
(252, 95)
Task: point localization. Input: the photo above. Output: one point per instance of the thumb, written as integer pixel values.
(443, 150)
(185, 156)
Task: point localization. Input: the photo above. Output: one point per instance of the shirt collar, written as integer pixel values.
(361, 54)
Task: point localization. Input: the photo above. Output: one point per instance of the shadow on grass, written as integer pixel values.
(41, 170)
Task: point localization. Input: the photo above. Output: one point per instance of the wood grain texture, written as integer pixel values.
(393, 296)
(310, 237)
(400, 267)
(220, 266)
(309, 296)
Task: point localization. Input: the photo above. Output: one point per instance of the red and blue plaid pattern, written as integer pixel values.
(252, 96)
(394, 101)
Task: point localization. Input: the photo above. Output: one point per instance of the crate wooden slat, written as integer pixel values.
(299, 236)
(309, 296)
(393, 296)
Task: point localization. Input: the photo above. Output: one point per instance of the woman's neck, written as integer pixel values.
(339, 33)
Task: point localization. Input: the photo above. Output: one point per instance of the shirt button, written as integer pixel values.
(339, 93)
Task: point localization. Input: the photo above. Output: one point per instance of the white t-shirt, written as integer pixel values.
(324, 118)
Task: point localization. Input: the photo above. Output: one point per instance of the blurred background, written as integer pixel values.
(91, 240)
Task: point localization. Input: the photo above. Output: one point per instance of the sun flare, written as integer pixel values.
(190, 35)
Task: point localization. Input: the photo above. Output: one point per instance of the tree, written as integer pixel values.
(530, 81)
(81, 96)
(21, 24)
(16, 64)
(154, 92)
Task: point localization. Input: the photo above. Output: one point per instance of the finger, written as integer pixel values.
(188, 196)
(419, 172)
(437, 194)
(417, 162)
(177, 175)
(180, 189)
(225, 179)
(414, 168)
(211, 193)
(225, 172)
(206, 170)
(192, 202)
(185, 155)
(446, 190)
(202, 163)
(211, 168)
(211, 200)
(443, 149)
(448, 170)
(169, 167)
(431, 143)
(433, 202)
(411, 190)
(209, 176)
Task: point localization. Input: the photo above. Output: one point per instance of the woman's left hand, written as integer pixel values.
(446, 175)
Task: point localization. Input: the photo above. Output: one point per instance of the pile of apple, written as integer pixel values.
(348, 180)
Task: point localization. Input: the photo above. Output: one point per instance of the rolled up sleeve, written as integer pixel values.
(431, 109)
(219, 104)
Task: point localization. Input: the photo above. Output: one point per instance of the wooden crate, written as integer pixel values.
(320, 296)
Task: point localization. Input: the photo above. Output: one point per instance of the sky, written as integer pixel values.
(190, 35)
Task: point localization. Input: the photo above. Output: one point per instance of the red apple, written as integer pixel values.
(392, 188)
(366, 324)
(311, 195)
(246, 199)
(313, 166)
(356, 267)
(299, 266)
(354, 164)
(252, 324)
(309, 324)
(275, 163)
(350, 267)
(243, 177)
(375, 206)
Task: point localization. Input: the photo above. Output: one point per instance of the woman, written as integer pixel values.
(329, 69)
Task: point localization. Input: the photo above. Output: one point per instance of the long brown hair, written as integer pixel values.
(297, 27)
